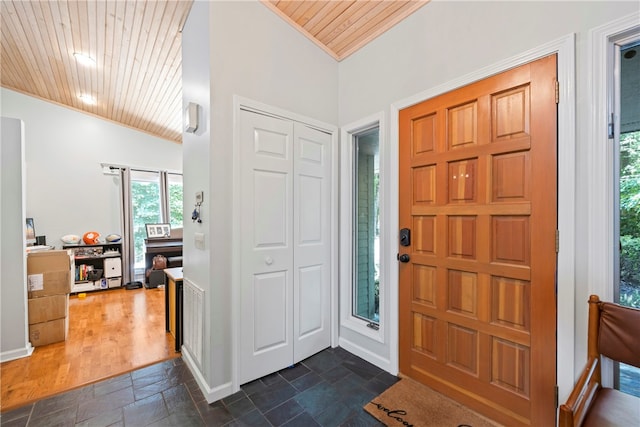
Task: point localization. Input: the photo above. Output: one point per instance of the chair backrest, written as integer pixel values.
(619, 333)
(614, 332)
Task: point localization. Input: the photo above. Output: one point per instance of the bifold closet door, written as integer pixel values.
(312, 238)
(285, 243)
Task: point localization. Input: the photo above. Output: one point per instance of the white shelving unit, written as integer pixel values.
(97, 266)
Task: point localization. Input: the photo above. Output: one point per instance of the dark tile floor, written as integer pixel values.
(328, 389)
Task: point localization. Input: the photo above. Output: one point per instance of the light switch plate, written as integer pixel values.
(198, 240)
(199, 197)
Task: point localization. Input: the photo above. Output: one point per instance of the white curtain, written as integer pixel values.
(127, 225)
(164, 197)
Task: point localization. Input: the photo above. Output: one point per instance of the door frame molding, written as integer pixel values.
(347, 319)
(600, 218)
(242, 103)
(564, 47)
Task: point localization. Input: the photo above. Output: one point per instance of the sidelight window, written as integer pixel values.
(366, 225)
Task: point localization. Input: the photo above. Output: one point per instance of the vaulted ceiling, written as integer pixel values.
(135, 78)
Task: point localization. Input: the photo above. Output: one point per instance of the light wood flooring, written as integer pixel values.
(111, 332)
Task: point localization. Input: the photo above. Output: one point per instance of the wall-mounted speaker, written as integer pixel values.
(191, 118)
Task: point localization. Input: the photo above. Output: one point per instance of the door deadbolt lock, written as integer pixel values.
(405, 237)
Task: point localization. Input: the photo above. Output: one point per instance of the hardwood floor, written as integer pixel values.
(110, 333)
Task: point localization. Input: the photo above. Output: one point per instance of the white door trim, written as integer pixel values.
(347, 319)
(600, 218)
(242, 103)
(565, 48)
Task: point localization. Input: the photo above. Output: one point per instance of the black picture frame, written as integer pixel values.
(158, 230)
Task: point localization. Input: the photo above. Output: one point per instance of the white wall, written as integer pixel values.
(254, 54)
(66, 189)
(13, 270)
(446, 40)
(196, 177)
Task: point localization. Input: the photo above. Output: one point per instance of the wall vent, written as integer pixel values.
(193, 317)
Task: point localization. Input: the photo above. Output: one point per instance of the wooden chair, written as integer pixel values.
(614, 332)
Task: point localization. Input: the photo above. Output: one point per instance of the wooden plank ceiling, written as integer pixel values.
(136, 79)
(342, 27)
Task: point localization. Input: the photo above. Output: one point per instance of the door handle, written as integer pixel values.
(404, 258)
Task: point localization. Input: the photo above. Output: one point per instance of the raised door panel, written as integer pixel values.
(478, 188)
(266, 329)
(312, 236)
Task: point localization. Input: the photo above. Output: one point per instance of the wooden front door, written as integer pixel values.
(477, 291)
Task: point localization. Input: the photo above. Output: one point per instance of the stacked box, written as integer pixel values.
(49, 332)
(49, 281)
(49, 273)
(48, 308)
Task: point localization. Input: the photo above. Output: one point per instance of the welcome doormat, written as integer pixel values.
(409, 403)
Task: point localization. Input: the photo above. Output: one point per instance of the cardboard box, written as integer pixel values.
(49, 332)
(49, 273)
(48, 308)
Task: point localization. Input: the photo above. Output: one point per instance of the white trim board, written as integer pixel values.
(565, 48)
(210, 394)
(347, 320)
(600, 155)
(366, 354)
(600, 158)
(19, 353)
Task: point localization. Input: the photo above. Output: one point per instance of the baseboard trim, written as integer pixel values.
(210, 394)
(19, 353)
(363, 353)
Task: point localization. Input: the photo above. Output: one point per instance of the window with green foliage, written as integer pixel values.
(149, 205)
(366, 226)
(175, 200)
(630, 219)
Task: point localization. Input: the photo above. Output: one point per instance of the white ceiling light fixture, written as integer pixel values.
(85, 60)
(87, 99)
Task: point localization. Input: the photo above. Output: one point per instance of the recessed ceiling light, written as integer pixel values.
(87, 99)
(85, 59)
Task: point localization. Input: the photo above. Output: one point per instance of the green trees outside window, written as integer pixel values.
(630, 219)
(147, 206)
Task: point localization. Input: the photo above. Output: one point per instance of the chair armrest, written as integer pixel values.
(573, 412)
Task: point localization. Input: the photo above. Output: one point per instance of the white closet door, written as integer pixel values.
(312, 241)
(266, 327)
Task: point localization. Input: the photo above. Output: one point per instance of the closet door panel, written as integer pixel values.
(266, 321)
(312, 237)
(285, 248)
(270, 320)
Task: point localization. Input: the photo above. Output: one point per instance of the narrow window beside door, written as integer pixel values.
(366, 226)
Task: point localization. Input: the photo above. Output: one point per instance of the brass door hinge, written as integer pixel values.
(557, 241)
(557, 395)
(557, 92)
